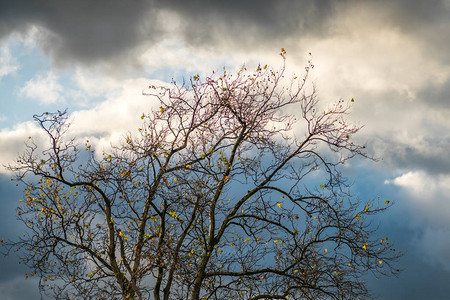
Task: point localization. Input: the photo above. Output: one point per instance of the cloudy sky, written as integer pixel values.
(392, 57)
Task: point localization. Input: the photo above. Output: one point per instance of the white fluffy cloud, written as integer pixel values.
(12, 142)
(8, 64)
(428, 195)
(103, 124)
(118, 112)
(43, 88)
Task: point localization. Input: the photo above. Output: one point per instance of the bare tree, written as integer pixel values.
(231, 189)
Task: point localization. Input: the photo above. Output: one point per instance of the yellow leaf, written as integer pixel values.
(161, 109)
(357, 216)
(380, 262)
(279, 204)
(142, 117)
(175, 179)
(325, 250)
(386, 201)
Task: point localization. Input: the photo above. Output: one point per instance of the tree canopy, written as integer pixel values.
(232, 188)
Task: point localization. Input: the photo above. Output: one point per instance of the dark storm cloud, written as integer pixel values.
(80, 30)
(251, 23)
(248, 23)
(88, 31)
(91, 30)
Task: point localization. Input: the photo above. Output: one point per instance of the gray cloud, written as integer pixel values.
(89, 31)
(251, 23)
(413, 14)
(419, 278)
(19, 289)
(426, 21)
(407, 157)
(437, 95)
(84, 31)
